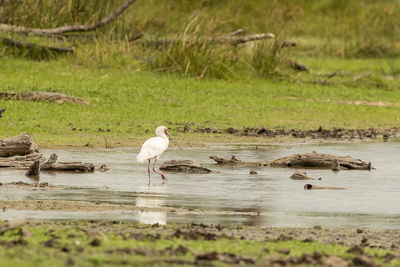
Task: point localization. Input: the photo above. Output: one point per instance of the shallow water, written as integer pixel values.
(372, 198)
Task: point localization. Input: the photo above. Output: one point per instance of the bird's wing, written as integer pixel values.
(152, 148)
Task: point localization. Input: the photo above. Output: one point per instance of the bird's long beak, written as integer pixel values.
(173, 140)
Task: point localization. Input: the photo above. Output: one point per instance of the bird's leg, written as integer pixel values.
(148, 170)
(159, 172)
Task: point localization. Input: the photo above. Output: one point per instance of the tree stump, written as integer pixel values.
(190, 166)
(34, 169)
(21, 145)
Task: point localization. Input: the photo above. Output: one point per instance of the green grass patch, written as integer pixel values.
(60, 244)
(126, 104)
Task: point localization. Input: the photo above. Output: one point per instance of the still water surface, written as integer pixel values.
(270, 198)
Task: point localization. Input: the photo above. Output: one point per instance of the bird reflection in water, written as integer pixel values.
(153, 203)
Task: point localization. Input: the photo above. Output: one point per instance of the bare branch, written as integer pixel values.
(69, 28)
(233, 40)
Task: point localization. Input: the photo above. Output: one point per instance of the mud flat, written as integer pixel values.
(123, 243)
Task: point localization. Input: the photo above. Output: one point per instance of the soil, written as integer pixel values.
(320, 133)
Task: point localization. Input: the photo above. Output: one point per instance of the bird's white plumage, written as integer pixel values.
(154, 147)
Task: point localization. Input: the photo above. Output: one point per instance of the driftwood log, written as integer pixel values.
(57, 98)
(20, 162)
(1, 112)
(300, 175)
(312, 187)
(27, 45)
(307, 160)
(232, 161)
(67, 29)
(190, 166)
(53, 165)
(21, 145)
(321, 161)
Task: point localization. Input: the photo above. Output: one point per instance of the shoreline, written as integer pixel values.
(213, 139)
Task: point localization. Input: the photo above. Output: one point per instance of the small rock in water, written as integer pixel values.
(253, 172)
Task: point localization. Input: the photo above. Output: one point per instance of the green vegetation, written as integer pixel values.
(351, 47)
(125, 103)
(108, 244)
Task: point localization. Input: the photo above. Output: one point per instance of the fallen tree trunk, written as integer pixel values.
(184, 166)
(22, 144)
(232, 161)
(299, 175)
(307, 160)
(26, 45)
(57, 98)
(320, 160)
(312, 187)
(20, 161)
(68, 28)
(71, 166)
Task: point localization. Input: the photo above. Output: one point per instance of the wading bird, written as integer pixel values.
(153, 148)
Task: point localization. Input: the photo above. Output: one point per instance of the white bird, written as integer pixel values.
(153, 148)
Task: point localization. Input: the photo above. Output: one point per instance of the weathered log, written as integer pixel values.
(232, 161)
(312, 186)
(320, 160)
(11, 225)
(227, 39)
(57, 98)
(67, 28)
(70, 166)
(22, 144)
(50, 161)
(300, 175)
(184, 166)
(20, 161)
(34, 169)
(307, 160)
(1, 112)
(27, 45)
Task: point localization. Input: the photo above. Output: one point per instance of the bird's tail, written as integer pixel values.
(141, 157)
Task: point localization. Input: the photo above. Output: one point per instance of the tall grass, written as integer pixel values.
(346, 29)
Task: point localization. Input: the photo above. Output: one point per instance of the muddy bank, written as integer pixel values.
(85, 206)
(116, 243)
(320, 133)
(385, 239)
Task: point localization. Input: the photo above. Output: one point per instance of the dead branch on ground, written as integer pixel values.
(23, 45)
(69, 28)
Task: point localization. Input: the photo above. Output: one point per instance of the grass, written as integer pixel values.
(127, 104)
(71, 246)
(342, 29)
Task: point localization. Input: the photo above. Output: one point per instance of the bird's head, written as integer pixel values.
(161, 130)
